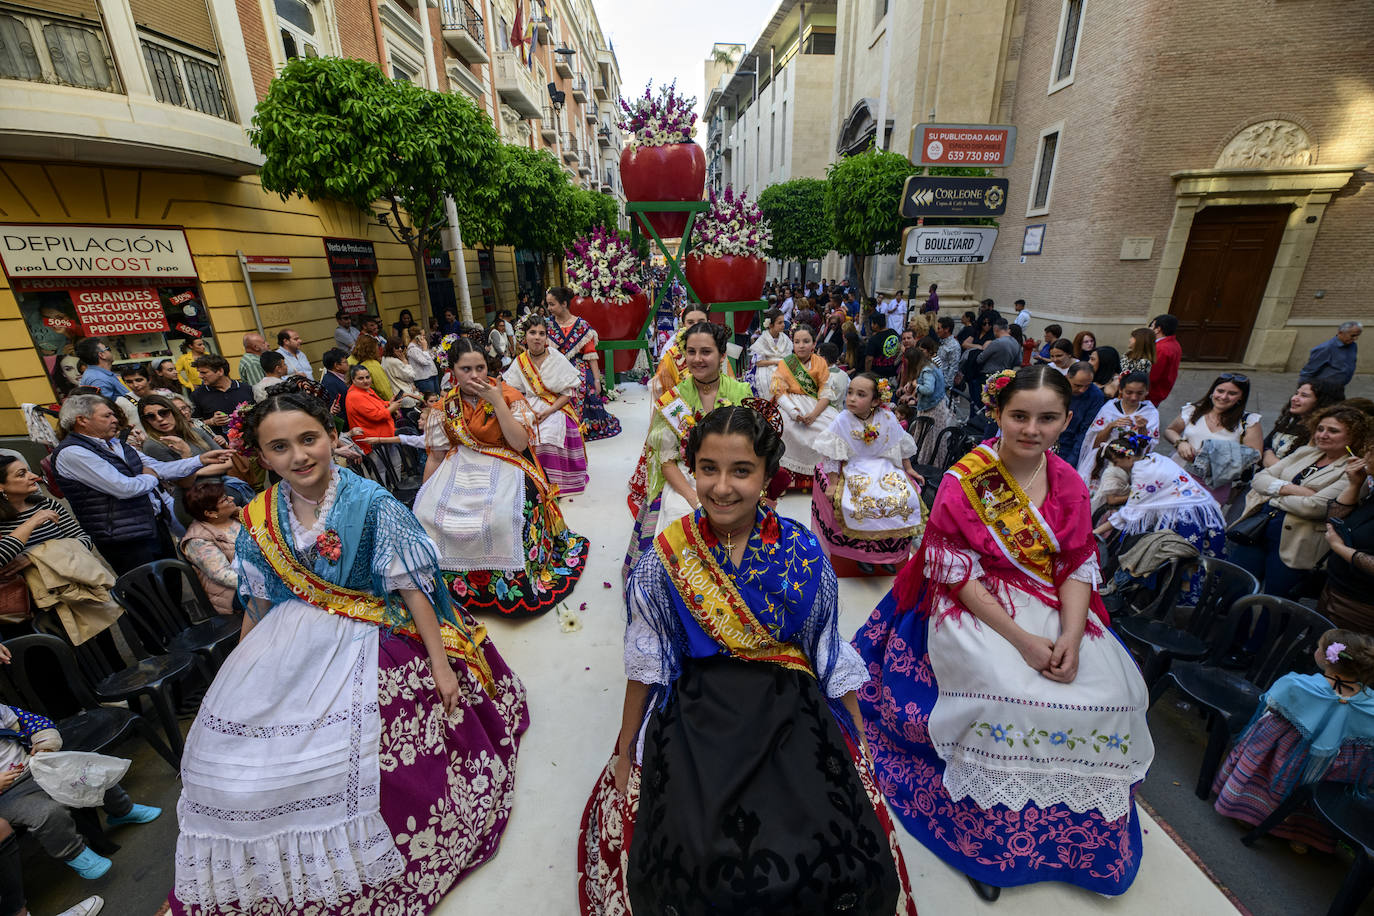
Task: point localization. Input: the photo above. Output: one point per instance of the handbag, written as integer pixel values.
(1250, 531)
(15, 606)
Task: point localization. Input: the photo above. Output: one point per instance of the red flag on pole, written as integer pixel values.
(517, 29)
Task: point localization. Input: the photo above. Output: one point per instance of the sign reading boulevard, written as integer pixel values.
(987, 145)
(947, 244)
(941, 195)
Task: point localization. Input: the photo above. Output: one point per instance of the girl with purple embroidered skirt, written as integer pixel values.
(1007, 723)
(356, 752)
(866, 504)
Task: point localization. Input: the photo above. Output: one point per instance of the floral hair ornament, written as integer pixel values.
(528, 322)
(994, 385)
(1333, 652)
(885, 393)
(766, 409)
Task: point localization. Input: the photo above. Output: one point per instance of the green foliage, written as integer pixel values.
(339, 129)
(863, 202)
(796, 213)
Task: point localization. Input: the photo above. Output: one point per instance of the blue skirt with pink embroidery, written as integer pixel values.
(998, 845)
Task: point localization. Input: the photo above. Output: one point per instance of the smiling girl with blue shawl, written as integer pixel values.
(356, 752)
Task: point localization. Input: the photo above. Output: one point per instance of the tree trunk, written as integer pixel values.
(422, 286)
(860, 270)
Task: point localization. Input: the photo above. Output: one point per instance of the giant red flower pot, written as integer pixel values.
(729, 278)
(615, 321)
(657, 174)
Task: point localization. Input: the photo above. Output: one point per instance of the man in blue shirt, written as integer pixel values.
(1087, 401)
(99, 360)
(1333, 361)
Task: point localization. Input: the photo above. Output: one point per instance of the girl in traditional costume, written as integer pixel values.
(1007, 723)
(672, 365)
(669, 491)
(1308, 728)
(356, 752)
(1130, 412)
(866, 505)
(576, 340)
(739, 784)
(549, 383)
(503, 544)
(804, 392)
(768, 352)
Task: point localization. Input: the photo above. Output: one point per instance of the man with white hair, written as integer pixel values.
(112, 487)
(1334, 361)
(250, 363)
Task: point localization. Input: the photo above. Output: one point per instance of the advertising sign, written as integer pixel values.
(94, 251)
(112, 312)
(352, 299)
(986, 145)
(350, 255)
(948, 244)
(941, 195)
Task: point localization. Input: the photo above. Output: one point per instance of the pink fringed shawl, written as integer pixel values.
(980, 509)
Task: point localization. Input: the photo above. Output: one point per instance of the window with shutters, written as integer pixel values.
(1066, 44)
(1046, 158)
(50, 49)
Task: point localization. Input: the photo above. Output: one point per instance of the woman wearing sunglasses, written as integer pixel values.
(1220, 414)
(171, 437)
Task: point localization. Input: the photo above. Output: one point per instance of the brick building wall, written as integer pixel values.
(255, 40)
(1155, 93)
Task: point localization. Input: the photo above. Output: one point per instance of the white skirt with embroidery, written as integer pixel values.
(800, 455)
(280, 778)
(1010, 736)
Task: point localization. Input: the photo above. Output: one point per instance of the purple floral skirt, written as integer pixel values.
(446, 787)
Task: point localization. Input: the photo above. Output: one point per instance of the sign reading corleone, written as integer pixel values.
(127, 310)
(988, 145)
(947, 244)
(941, 195)
(94, 251)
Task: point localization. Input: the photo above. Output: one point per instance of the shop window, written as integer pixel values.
(1066, 44)
(1045, 160)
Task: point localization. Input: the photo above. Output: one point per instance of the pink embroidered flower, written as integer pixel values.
(329, 546)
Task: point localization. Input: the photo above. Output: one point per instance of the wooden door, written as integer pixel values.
(1222, 279)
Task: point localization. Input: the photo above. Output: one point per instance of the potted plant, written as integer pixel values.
(604, 274)
(726, 262)
(662, 163)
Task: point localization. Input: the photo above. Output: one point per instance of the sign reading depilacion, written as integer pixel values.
(943, 195)
(986, 145)
(94, 251)
(948, 244)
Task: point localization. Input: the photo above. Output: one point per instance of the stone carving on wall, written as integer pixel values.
(1268, 144)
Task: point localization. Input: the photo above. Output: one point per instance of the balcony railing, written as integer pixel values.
(463, 30)
(579, 86)
(548, 125)
(603, 136)
(584, 162)
(185, 79)
(516, 86)
(592, 112)
(569, 144)
(44, 49)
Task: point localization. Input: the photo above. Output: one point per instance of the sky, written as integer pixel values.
(665, 40)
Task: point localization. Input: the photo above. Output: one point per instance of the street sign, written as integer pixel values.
(942, 195)
(947, 244)
(267, 264)
(987, 145)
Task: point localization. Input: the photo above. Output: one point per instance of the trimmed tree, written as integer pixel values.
(863, 205)
(338, 129)
(796, 212)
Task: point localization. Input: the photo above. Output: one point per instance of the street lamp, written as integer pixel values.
(557, 97)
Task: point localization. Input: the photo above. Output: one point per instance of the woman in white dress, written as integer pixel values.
(768, 352)
(804, 391)
(550, 385)
(1220, 414)
(1131, 411)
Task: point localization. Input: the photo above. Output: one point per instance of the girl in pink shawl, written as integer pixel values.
(1007, 724)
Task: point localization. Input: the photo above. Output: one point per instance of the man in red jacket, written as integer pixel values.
(1168, 355)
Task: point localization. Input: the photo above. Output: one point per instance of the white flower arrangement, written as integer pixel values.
(733, 225)
(659, 120)
(603, 266)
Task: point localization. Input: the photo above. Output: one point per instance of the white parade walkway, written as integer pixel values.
(576, 685)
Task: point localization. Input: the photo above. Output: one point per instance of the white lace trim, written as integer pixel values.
(1079, 791)
(291, 867)
(301, 536)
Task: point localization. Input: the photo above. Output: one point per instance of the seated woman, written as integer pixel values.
(43, 541)
(866, 505)
(1140, 355)
(396, 365)
(1130, 412)
(368, 354)
(739, 749)
(1295, 496)
(503, 544)
(1291, 430)
(549, 383)
(804, 392)
(575, 339)
(1007, 724)
(1106, 365)
(1350, 565)
(669, 491)
(767, 353)
(208, 544)
(334, 761)
(1308, 728)
(367, 410)
(1220, 414)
